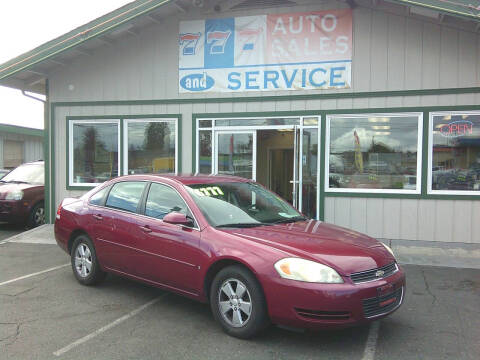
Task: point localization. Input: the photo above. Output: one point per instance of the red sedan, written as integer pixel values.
(230, 242)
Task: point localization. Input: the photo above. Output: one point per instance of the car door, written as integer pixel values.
(171, 252)
(99, 224)
(122, 248)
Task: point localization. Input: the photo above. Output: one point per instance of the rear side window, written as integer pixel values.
(99, 196)
(162, 200)
(125, 195)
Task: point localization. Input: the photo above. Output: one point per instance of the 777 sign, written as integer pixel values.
(189, 42)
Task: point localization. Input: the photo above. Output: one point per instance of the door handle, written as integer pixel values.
(98, 217)
(146, 229)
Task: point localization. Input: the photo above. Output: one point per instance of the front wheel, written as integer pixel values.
(238, 303)
(84, 262)
(37, 216)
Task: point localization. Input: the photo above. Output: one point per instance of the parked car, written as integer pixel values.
(22, 195)
(3, 172)
(230, 242)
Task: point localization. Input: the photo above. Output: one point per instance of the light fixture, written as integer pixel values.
(381, 127)
(382, 132)
(464, 117)
(447, 117)
(379, 120)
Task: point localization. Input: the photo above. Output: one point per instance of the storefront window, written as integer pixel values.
(94, 147)
(455, 152)
(377, 152)
(205, 152)
(150, 146)
(258, 122)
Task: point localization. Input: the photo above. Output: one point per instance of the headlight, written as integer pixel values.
(306, 270)
(14, 195)
(389, 250)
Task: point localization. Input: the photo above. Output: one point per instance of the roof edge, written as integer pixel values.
(442, 9)
(20, 130)
(79, 35)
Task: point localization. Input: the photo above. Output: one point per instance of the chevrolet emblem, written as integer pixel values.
(379, 273)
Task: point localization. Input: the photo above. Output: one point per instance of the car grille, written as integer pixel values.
(370, 275)
(382, 304)
(323, 315)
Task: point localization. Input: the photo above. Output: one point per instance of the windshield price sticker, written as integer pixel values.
(209, 191)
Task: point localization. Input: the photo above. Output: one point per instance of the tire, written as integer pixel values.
(84, 262)
(242, 317)
(36, 216)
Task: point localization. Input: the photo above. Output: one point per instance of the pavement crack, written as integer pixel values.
(427, 287)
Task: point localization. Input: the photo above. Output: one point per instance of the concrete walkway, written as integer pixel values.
(430, 253)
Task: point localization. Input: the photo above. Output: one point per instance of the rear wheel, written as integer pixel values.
(238, 303)
(84, 262)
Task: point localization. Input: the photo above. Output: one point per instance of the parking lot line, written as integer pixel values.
(108, 327)
(371, 345)
(34, 274)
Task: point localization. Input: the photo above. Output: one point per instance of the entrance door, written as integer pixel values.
(236, 153)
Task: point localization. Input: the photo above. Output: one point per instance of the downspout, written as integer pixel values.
(46, 148)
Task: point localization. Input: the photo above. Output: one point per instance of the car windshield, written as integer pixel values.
(28, 173)
(241, 204)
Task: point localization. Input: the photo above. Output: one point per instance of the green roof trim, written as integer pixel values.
(79, 35)
(20, 130)
(469, 9)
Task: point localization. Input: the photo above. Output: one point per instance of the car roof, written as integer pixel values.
(189, 179)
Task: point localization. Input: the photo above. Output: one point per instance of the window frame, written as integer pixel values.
(139, 119)
(70, 158)
(430, 191)
(328, 118)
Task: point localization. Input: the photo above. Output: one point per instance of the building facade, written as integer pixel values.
(19, 145)
(372, 124)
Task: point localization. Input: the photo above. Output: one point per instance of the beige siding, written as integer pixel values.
(408, 219)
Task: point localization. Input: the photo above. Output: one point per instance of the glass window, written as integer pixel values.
(374, 152)
(27, 173)
(98, 197)
(235, 154)
(205, 123)
(241, 204)
(95, 151)
(309, 172)
(455, 153)
(162, 200)
(125, 195)
(257, 122)
(150, 147)
(205, 152)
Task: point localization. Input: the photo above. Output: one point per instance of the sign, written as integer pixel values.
(457, 128)
(294, 51)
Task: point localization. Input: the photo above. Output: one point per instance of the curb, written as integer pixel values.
(22, 234)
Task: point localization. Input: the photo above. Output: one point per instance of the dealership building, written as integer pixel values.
(361, 113)
(18, 145)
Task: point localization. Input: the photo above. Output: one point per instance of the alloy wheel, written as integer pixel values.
(39, 216)
(83, 260)
(234, 302)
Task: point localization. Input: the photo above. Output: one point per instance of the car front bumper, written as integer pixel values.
(315, 306)
(14, 211)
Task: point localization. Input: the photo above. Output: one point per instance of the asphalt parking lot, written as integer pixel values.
(8, 230)
(49, 315)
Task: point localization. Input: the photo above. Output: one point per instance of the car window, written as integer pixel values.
(162, 200)
(97, 198)
(125, 195)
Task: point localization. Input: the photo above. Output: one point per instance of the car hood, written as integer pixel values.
(5, 188)
(344, 250)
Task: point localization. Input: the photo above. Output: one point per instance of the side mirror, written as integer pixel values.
(177, 219)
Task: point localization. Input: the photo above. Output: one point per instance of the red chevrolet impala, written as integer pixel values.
(230, 242)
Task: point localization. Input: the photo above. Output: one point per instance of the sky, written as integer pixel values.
(27, 24)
